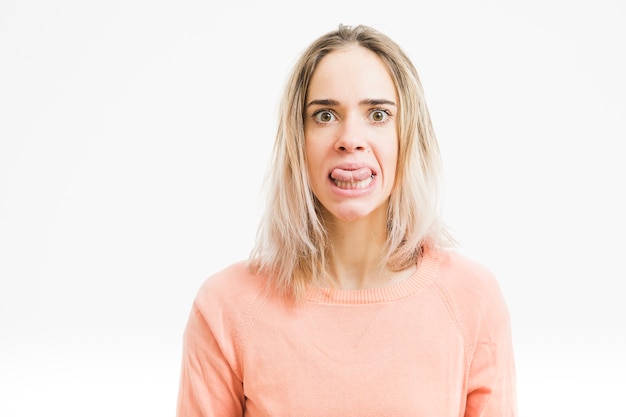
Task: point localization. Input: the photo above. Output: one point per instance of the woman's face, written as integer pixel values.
(351, 134)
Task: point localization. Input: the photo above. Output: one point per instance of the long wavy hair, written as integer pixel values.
(292, 244)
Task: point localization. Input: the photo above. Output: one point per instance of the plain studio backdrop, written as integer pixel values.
(134, 137)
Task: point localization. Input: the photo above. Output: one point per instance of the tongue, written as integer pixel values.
(350, 176)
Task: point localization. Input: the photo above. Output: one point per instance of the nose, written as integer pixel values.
(351, 136)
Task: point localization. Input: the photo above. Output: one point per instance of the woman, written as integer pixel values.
(351, 304)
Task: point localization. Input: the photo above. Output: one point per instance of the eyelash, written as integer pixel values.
(315, 115)
(387, 114)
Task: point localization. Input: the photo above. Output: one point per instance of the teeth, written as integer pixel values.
(354, 185)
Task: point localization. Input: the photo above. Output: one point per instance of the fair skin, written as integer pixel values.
(351, 139)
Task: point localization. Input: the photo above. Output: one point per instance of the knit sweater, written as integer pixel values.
(436, 344)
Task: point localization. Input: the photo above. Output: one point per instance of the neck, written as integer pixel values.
(355, 260)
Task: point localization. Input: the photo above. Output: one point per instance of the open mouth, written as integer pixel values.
(353, 185)
(352, 179)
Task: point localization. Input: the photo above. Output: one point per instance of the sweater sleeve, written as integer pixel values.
(491, 383)
(209, 387)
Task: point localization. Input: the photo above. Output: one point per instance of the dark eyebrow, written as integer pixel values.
(377, 102)
(325, 102)
(369, 101)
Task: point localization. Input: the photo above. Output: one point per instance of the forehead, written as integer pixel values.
(351, 71)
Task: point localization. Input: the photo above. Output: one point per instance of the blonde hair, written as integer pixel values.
(292, 243)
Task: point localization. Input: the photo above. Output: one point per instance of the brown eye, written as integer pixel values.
(379, 116)
(324, 116)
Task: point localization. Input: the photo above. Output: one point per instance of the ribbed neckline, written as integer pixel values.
(418, 280)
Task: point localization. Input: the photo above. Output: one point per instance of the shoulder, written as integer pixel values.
(229, 292)
(465, 277)
(470, 290)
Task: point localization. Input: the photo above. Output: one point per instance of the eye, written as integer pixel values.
(379, 116)
(324, 116)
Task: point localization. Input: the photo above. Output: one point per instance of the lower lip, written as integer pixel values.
(353, 190)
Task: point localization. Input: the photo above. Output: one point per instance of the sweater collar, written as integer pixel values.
(423, 275)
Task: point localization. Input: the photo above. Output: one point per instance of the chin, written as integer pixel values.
(354, 214)
(350, 217)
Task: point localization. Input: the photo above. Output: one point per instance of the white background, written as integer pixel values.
(134, 136)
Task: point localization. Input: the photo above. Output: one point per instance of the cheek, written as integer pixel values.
(391, 165)
(391, 155)
(313, 148)
(312, 158)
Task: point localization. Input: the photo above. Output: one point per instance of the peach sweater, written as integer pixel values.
(436, 345)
